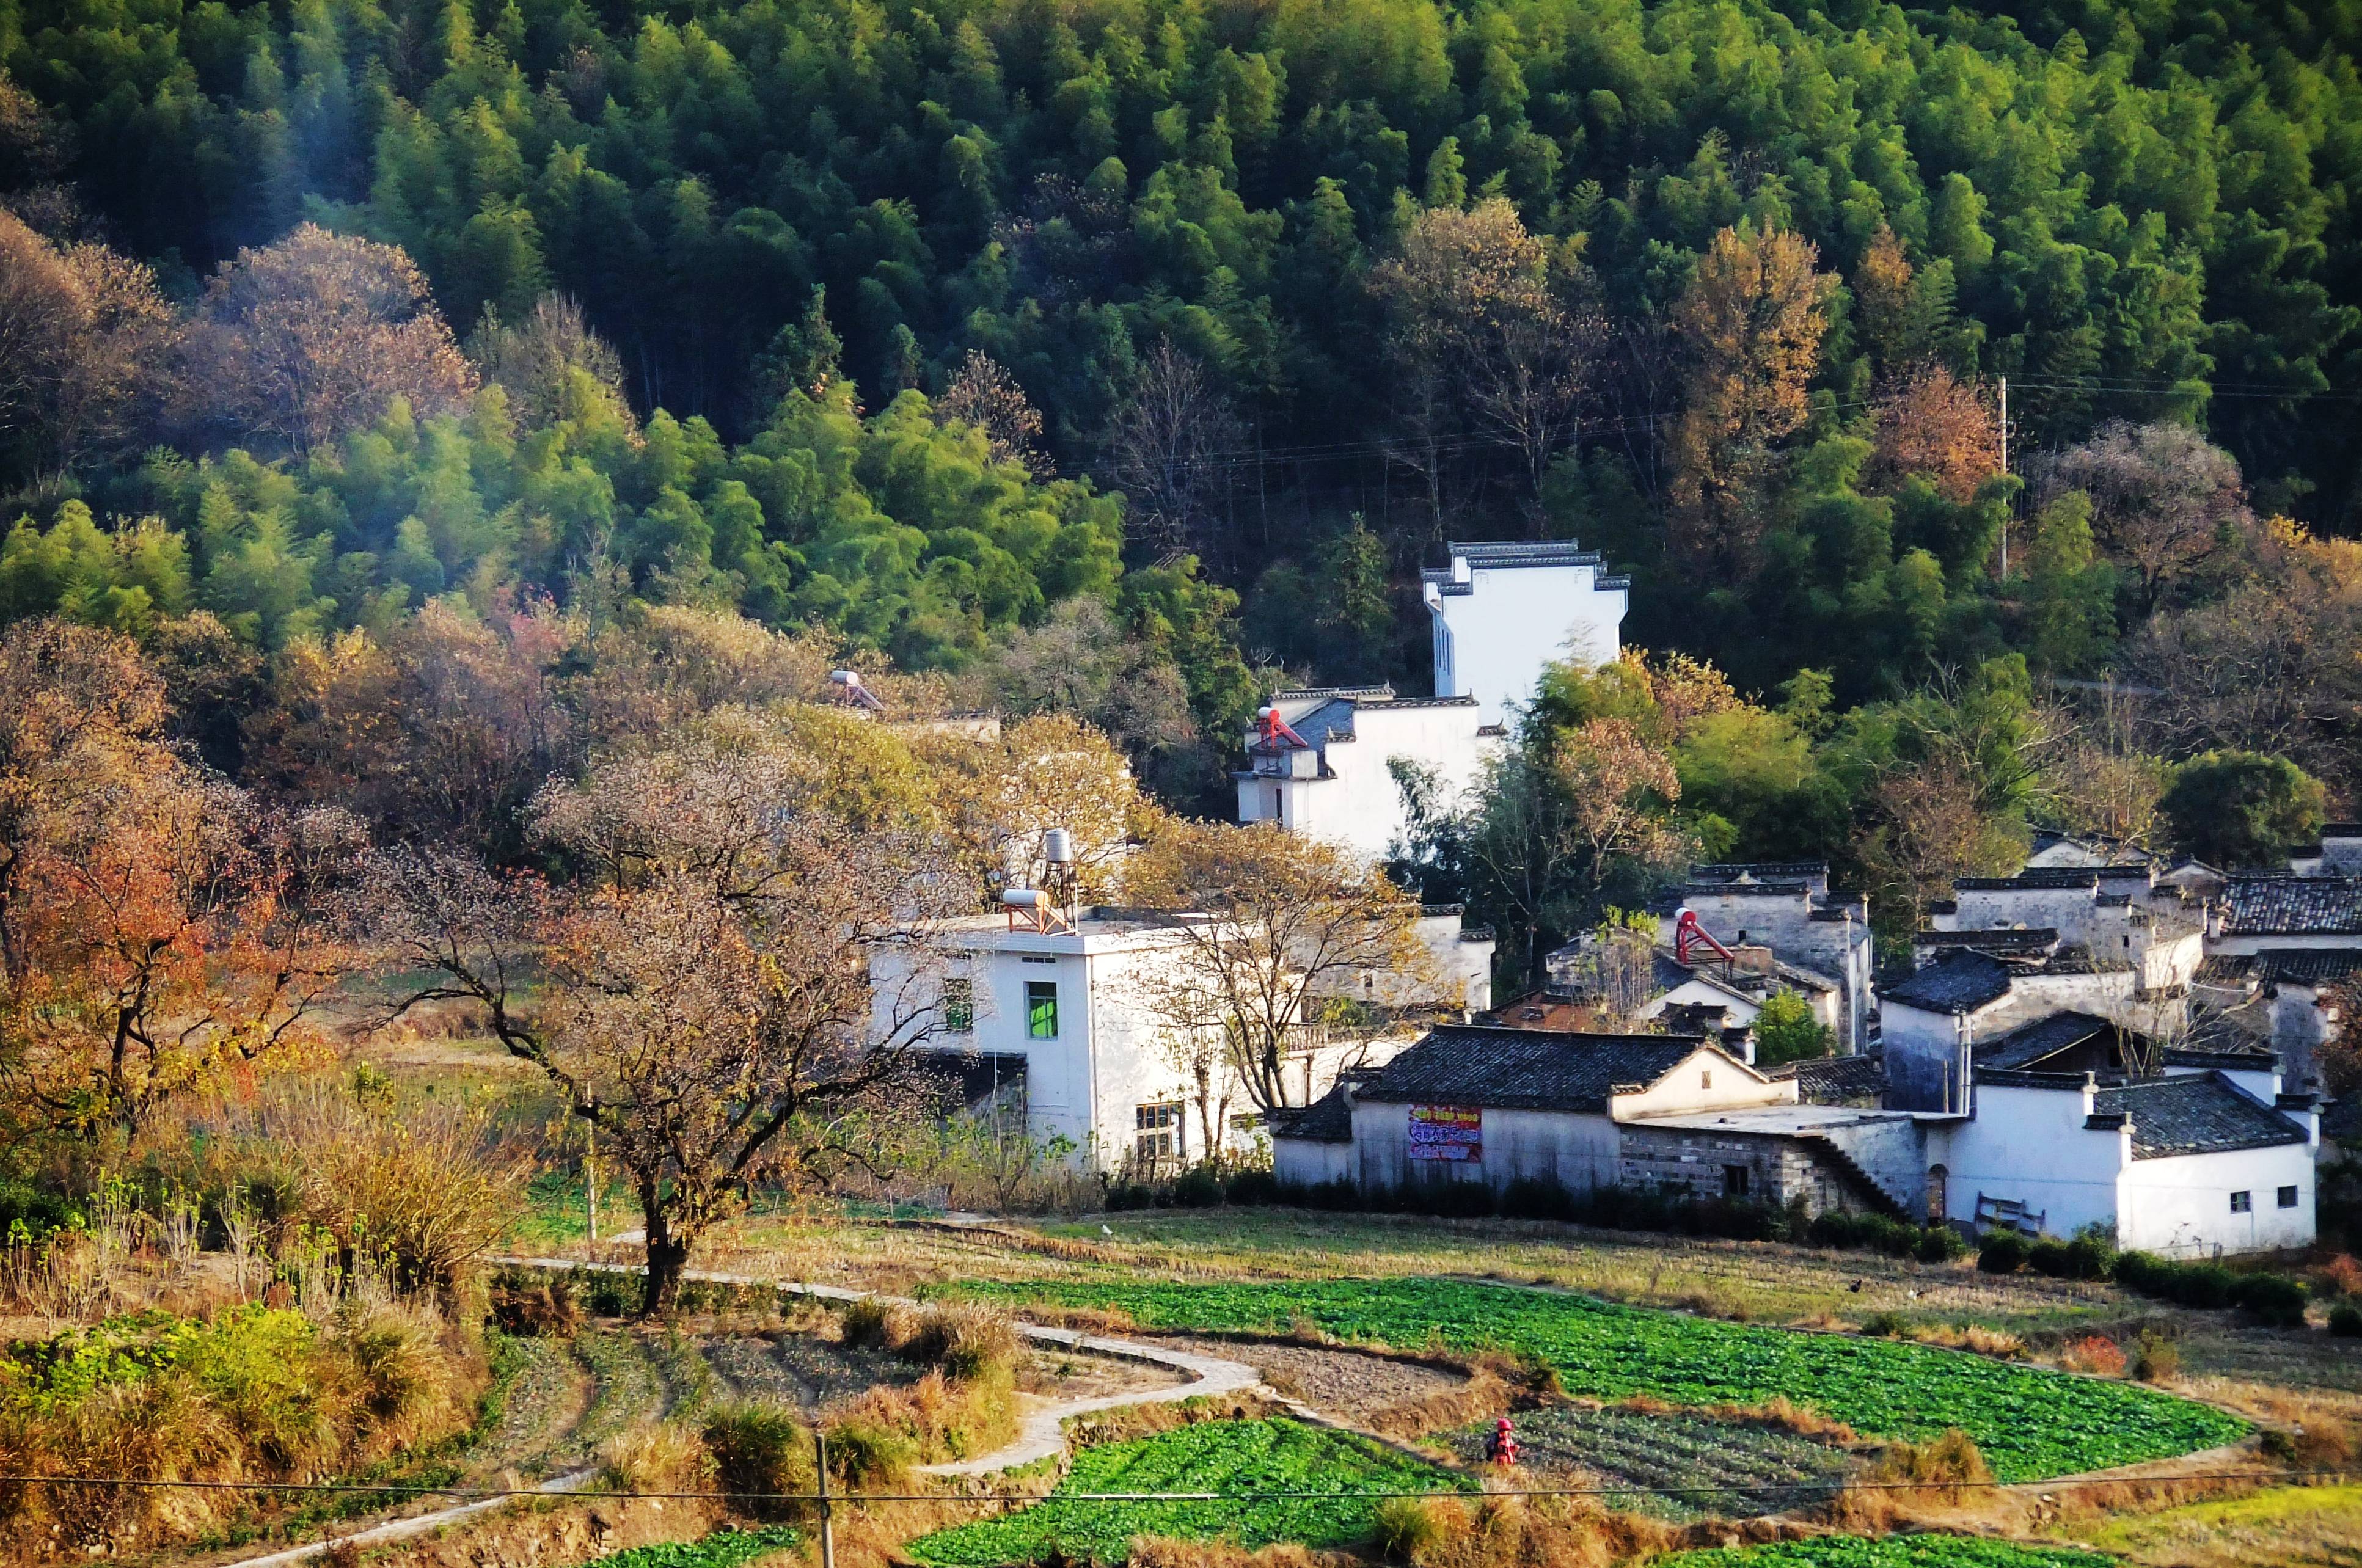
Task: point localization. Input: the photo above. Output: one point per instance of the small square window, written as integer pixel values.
(1735, 1180)
(1040, 1009)
(2287, 1198)
(959, 1006)
(2242, 1202)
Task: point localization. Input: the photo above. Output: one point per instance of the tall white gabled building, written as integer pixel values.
(1503, 611)
(1323, 762)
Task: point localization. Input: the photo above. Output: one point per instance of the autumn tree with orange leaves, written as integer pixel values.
(156, 927)
(1752, 320)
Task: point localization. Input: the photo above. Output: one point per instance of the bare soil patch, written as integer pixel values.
(1399, 1398)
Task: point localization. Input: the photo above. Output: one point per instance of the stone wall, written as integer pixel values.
(1779, 1169)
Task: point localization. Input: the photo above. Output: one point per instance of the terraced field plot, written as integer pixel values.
(1744, 1470)
(726, 1548)
(2031, 1423)
(1212, 1456)
(1892, 1551)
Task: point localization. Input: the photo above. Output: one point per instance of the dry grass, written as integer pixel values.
(2290, 1527)
(251, 1395)
(1521, 1532)
(1945, 1473)
(657, 1456)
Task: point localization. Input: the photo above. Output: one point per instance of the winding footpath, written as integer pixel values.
(1042, 1436)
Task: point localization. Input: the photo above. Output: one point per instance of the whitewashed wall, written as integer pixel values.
(2181, 1205)
(1493, 643)
(2031, 1146)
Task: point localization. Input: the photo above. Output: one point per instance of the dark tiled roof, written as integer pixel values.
(2012, 939)
(1384, 703)
(2029, 1046)
(2033, 876)
(1328, 1120)
(1958, 982)
(2199, 1114)
(1523, 552)
(2293, 906)
(2257, 1058)
(1748, 889)
(1759, 870)
(2341, 830)
(1526, 1069)
(2299, 966)
(1834, 1081)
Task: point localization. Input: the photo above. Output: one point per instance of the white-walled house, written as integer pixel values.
(1501, 612)
(1479, 1103)
(1786, 906)
(2197, 1162)
(1063, 1023)
(1328, 768)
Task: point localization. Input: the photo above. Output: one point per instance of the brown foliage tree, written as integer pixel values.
(156, 926)
(1167, 446)
(1751, 323)
(1934, 425)
(1482, 312)
(298, 342)
(1286, 919)
(736, 983)
(983, 393)
(2164, 500)
(554, 368)
(83, 336)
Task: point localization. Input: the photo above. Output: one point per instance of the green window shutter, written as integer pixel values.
(1041, 1009)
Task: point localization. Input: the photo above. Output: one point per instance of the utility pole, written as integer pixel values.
(827, 1524)
(590, 1179)
(2004, 469)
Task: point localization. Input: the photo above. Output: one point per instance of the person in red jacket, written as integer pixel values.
(1501, 1448)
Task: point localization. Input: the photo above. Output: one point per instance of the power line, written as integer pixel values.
(487, 1492)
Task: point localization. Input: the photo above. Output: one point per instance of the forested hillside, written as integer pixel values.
(1096, 354)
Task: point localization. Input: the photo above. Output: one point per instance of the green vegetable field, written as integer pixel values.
(2031, 1423)
(725, 1549)
(1893, 1552)
(1213, 1456)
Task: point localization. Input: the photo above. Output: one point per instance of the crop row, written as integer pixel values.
(1708, 1466)
(1890, 1551)
(2030, 1423)
(1257, 1456)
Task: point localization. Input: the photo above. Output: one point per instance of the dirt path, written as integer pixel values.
(1041, 1433)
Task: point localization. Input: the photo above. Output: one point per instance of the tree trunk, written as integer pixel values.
(668, 1256)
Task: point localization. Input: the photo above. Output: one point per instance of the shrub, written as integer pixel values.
(2049, 1256)
(759, 1449)
(1939, 1243)
(1885, 1326)
(2274, 1299)
(1404, 1528)
(2157, 1357)
(2093, 1252)
(2345, 1321)
(969, 1340)
(2094, 1353)
(1537, 1198)
(2003, 1251)
(2271, 1299)
(874, 1321)
(2342, 1275)
(864, 1455)
(1252, 1186)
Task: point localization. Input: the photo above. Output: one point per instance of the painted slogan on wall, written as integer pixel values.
(1447, 1132)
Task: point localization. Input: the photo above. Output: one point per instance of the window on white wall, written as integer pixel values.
(2287, 1198)
(959, 1005)
(1156, 1133)
(1041, 1009)
(2243, 1202)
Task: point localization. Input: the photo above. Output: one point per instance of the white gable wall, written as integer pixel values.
(1360, 805)
(2030, 1145)
(2181, 1205)
(1492, 643)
